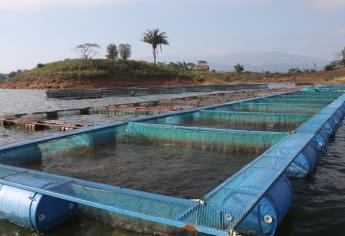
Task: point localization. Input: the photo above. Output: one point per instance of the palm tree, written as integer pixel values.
(156, 39)
(239, 68)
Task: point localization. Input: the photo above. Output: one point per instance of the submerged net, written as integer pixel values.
(157, 208)
(297, 101)
(235, 120)
(271, 107)
(207, 139)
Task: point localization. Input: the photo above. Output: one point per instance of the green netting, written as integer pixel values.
(297, 101)
(236, 120)
(323, 94)
(206, 139)
(114, 112)
(73, 112)
(258, 118)
(316, 96)
(271, 107)
(313, 90)
(80, 143)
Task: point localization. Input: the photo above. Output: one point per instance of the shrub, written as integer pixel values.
(330, 67)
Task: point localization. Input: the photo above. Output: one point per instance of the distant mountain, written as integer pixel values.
(257, 61)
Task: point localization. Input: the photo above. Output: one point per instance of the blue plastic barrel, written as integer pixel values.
(305, 162)
(33, 210)
(269, 212)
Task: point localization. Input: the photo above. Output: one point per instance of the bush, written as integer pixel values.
(330, 67)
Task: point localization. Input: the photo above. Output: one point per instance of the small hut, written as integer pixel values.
(202, 67)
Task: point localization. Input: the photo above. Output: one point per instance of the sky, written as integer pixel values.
(41, 31)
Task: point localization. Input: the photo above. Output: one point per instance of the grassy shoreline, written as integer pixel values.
(102, 73)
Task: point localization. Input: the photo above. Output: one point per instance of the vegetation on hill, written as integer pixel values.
(118, 70)
(98, 73)
(102, 68)
(107, 73)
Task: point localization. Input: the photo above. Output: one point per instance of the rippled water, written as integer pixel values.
(319, 201)
(13, 101)
(318, 206)
(165, 169)
(15, 134)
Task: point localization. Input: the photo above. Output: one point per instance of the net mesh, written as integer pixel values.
(153, 207)
(297, 101)
(271, 107)
(237, 120)
(207, 139)
(246, 186)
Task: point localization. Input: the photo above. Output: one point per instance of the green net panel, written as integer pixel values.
(236, 120)
(271, 107)
(206, 139)
(297, 101)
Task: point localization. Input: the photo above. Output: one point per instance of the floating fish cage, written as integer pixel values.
(142, 91)
(215, 170)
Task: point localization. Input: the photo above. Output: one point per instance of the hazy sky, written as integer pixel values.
(34, 31)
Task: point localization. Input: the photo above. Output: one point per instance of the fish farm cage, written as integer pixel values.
(214, 170)
(142, 91)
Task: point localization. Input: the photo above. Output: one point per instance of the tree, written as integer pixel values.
(331, 66)
(182, 65)
(202, 62)
(2, 77)
(156, 39)
(87, 50)
(294, 71)
(239, 68)
(13, 74)
(40, 65)
(112, 52)
(343, 57)
(191, 65)
(125, 51)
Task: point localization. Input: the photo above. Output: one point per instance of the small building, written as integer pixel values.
(202, 67)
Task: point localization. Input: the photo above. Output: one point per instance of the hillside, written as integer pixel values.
(254, 61)
(99, 73)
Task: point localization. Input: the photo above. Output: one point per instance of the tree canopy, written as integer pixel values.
(157, 39)
(87, 50)
(112, 52)
(239, 68)
(125, 51)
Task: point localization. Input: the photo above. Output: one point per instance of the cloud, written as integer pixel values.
(324, 5)
(340, 32)
(38, 4)
(320, 5)
(238, 2)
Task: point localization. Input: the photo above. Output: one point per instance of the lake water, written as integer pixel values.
(319, 201)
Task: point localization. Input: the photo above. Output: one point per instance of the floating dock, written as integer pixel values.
(285, 134)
